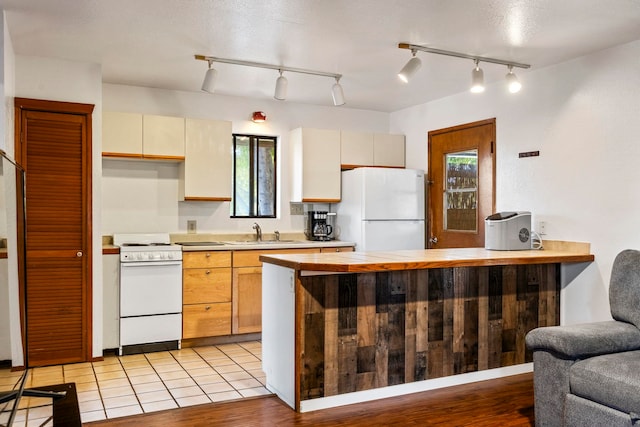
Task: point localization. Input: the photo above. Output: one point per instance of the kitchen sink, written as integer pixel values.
(200, 243)
(262, 242)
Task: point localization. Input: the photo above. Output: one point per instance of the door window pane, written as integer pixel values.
(461, 191)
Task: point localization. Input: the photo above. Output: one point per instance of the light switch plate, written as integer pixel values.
(192, 226)
(296, 208)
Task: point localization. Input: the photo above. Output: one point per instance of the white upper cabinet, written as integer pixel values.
(388, 150)
(315, 165)
(206, 173)
(163, 137)
(356, 149)
(359, 149)
(121, 134)
(135, 135)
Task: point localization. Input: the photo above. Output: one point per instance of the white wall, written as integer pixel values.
(141, 196)
(60, 80)
(583, 117)
(9, 349)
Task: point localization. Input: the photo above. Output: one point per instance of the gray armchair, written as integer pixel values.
(589, 374)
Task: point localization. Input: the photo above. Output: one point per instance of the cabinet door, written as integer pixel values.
(388, 150)
(208, 167)
(203, 285)
(163, 137)
(356, 149)
(121, 134)
(206, 320)
(315, 155)
(247, 300)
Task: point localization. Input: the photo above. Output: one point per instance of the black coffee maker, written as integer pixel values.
(316, 227)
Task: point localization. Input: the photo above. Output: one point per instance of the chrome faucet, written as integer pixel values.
(258, 231)
(277, 233)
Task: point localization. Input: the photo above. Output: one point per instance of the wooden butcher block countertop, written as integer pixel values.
(355, 262)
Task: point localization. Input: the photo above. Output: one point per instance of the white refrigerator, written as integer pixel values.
(382, 209)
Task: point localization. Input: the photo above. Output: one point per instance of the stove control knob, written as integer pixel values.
(169, 255)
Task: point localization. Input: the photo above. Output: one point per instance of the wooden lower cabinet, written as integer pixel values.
(206, 294)
(222, 290)
(247, 287)
(206, 320)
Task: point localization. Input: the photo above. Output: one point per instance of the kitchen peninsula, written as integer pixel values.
(344, 328)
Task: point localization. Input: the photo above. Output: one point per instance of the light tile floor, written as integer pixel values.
(135, 384)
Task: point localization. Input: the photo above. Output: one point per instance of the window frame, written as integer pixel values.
(253, 174)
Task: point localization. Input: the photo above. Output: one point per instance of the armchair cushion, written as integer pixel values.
(612, 380)
(585, 340)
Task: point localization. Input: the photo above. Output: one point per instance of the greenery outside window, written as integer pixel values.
(254, 177)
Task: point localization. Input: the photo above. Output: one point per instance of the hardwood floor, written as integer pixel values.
(501, 402)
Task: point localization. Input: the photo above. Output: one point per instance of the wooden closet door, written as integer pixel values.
(55, 150)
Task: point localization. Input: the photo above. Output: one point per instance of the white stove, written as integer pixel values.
(150, 290)
(146, 247)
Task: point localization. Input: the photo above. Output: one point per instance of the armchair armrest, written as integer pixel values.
(586, 339)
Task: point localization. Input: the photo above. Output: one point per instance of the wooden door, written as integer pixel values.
(53, 144)
(461, 184)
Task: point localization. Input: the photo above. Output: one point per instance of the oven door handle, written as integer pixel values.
(150, 264)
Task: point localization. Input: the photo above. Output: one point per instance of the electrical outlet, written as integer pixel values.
(296, 208)
(192, 226)
(542, 227)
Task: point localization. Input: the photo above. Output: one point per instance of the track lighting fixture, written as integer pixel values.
(281, 82)
(477, 79)
(410, 67)
(513, 83)
(337, 94)
(209, 81)
(281, 88)
(477, 75)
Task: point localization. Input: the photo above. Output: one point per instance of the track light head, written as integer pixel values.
(410, 68)
(337, 93)
(281, 88)
(477, 79)
(209, 82)
(513, 83)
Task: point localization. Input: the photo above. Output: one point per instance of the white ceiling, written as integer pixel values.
(153, 42)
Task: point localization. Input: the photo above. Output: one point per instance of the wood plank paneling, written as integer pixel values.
(369, 330)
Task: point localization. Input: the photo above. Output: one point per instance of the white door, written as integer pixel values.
(392, 235)
(393, 194)
(150, 288)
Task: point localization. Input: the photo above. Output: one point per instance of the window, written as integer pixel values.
(254, 177)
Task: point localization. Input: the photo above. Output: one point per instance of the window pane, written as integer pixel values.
(266, 186)
(460, 196)
(254, 189)
(242, 177)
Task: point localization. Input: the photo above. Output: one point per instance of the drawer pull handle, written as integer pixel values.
(208, 255)
(208, 272)
(207, 307)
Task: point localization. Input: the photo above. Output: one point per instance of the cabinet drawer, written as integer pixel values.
(252, 258)
(206, 259)
(338, 249)
(206, 320)
(202, 285)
